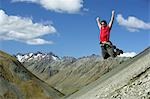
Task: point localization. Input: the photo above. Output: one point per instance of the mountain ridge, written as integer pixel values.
(17, 82)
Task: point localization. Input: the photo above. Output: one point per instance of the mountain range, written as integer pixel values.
(68, 74)
(49, 76)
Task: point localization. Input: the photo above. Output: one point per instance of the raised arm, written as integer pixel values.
(98, 22)
(112, 19)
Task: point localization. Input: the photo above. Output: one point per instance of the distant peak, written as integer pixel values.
(36, 56)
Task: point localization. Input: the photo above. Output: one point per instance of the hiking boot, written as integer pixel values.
(114, 46)
(118, 51)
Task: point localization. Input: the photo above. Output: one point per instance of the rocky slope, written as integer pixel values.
(130, 80)
(16, 82)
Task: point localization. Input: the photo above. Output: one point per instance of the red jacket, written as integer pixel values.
(104, 34)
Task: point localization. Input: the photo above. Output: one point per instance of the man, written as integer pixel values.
(106, 45)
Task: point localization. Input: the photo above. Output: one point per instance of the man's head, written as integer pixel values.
(103, 23)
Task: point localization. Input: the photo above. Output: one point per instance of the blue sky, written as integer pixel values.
(69, 28)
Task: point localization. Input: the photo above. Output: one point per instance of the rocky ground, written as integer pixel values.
(130, 80)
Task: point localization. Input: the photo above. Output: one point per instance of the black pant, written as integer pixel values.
(107, 51)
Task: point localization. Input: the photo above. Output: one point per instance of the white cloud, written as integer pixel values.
(128, 54)
(38, 41)
(23, 29)
(133, 24)
(69, 6)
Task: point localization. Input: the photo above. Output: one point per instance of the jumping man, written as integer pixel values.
(106, 45)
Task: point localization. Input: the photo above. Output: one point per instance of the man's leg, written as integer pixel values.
(117, 50)
(104, 53)
(111, 52)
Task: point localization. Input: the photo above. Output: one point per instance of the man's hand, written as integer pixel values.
(113, 12)
(97, 19)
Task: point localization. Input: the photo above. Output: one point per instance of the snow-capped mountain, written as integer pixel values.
(36, 56)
